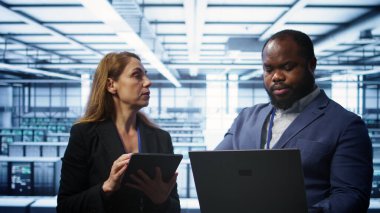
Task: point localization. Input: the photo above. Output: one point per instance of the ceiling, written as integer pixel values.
(182, 40)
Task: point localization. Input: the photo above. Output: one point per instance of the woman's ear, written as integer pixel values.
(111, 87)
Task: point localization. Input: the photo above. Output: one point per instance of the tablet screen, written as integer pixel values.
(168, 163)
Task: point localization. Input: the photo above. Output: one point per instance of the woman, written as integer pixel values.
(102, 141)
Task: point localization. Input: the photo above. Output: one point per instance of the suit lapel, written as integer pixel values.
(110, 140)
(147, 137)
(262, 117)
(312, 112)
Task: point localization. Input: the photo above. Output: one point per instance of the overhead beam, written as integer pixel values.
(211, 65)
(164, 81)
(348, 32)
(22, 6)
(111, 18)
(252, 74)
(367, 58)
(195, 11)
(33, 22)
(27, 70)
(352, 49)
(39, 48)
(283, 19)
(259, 66)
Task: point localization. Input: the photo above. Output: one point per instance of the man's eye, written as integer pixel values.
(289, 67)
(268, 69)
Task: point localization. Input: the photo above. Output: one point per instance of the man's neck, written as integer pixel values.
(301, 103)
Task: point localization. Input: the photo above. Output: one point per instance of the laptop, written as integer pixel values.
(246, 181)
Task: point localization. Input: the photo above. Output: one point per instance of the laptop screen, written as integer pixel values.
(249, 181)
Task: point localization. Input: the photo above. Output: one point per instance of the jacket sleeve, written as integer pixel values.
(351, 171)
(227, 142)
(75, 195)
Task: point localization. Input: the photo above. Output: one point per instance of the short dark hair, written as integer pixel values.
(303, 40)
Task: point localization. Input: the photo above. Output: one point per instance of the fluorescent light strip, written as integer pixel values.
(36, 71)
(327, 78)
(283, 19)
(103, 10)
(36, 24)
(363, 72)
(349, 33)
(194, 18)
(255, 73)
(350, 72)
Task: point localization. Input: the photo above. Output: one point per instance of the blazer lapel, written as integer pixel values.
(147, 137)
(110, 139)
(307, 116)
(262, 117)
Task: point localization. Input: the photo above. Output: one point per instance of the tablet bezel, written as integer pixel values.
(148, 161)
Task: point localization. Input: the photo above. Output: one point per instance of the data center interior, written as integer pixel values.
(202, 56)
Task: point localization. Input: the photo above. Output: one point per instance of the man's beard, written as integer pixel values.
(296, 91)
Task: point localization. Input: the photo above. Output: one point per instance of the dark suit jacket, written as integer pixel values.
(335, 148)
(91, 151)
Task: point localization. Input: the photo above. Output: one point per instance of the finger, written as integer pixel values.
(139, 184)
(134, 186)
(122, 170)
(120, 165)
(137, 180)
(158, 174)
(128, 156)
(126, 161)
(173, 181)
(120, 161)
(143, 175)
(124, 157)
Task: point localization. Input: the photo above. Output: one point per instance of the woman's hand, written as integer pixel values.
(156, 189)
(116, 175)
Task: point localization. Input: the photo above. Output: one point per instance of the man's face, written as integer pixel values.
(287, 75)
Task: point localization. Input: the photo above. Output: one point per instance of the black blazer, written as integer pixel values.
(91, 151)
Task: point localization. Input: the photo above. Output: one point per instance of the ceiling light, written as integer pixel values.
(327, 78)
(193, 72)
(280, 22)
(104, 11)
(253, 74)
(363, 72)
(15, 68)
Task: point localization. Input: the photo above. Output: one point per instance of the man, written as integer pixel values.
(335, 148)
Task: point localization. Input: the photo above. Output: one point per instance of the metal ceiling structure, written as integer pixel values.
(182, 40)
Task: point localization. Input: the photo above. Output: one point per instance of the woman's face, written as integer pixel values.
(132, 87)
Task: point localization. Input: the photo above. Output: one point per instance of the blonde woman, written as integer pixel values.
(102, 141)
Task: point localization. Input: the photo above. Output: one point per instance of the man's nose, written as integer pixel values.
(278, 76)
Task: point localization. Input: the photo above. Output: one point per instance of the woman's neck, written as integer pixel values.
(126, 121)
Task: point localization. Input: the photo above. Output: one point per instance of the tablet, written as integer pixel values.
(148, 161)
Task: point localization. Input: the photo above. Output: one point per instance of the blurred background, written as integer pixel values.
(203, 57)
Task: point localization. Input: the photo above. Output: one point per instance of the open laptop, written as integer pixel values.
(246, 181)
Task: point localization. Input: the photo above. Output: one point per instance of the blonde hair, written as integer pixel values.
(100, 105)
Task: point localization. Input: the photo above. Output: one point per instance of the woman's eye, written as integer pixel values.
(138, 76)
